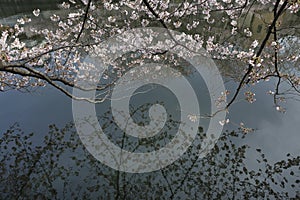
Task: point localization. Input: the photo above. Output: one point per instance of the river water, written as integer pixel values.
(13, 7)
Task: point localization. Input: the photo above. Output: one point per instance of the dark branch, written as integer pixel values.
(84, 19)
(262, 46)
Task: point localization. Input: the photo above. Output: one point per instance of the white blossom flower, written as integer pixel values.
(233, 31)
(193, 117)
(280, 109)
(21, 21)
(134, 15)
(223, 122)
(3, 39)
(177, 24)
(73, 15)
(156, 58)
(55, 18)
(40, 62)
(273, 44)
(277, 108)
(108, 6)
(64, 5)
(270, 92)
(248, 32)
(36, 12)
(144, 22)
(250, 97)
(17, 44)
(111, 19)
(85, 2)
(233, 23)
(254, 44)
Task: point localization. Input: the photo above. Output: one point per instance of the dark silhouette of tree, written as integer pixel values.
(59, 167)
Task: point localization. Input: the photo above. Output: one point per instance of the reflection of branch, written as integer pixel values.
(185, 176)
(234, 180)
(37, 160)
(262, 46)
(120, 162)
(167, 181)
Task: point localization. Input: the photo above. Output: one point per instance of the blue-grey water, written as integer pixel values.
(277, 133)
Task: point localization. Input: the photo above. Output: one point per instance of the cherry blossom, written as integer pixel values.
(35, 54)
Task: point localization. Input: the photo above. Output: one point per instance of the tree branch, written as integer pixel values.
(84, 19)
(262, 46)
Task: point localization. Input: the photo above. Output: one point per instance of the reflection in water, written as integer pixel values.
(61, 168)
(148, 95)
